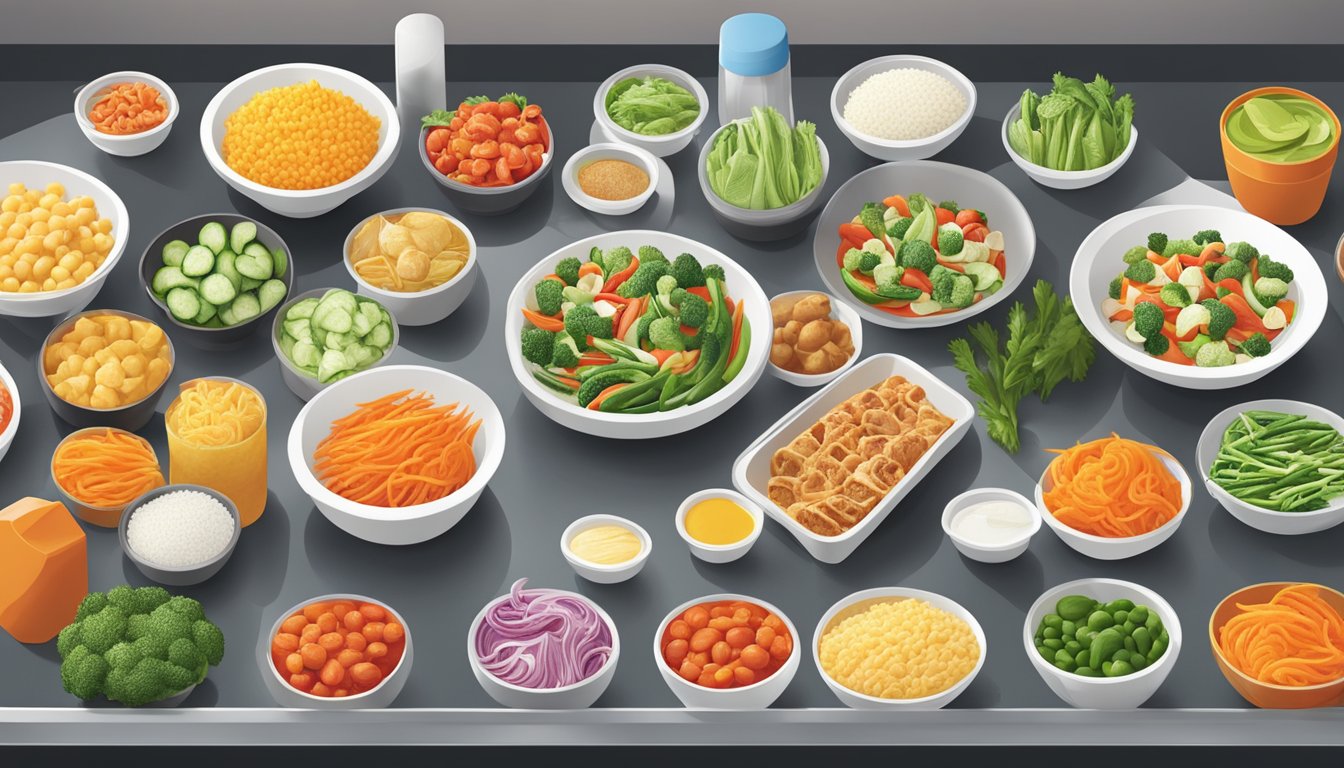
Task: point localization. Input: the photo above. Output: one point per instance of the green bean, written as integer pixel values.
(1281, 462)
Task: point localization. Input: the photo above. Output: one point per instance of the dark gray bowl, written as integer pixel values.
(489, 201)
(128, 417)
(187, 230)
(179, 577)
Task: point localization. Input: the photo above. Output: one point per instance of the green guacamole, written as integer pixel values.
(1281, 128)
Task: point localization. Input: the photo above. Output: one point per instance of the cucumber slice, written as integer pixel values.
(213, 322)
(248, 284)
(245, 307)
(218, 290)
(380, 336)
(183, 304)
(198, 262)
(925, 307)
(243, 233)
(332, 318)
(224, 265)
(271, 293)
(254, 266)
(168, 278)
(174, 251)
(983, 274)
(305, 355)
(214, 237)
(281, 261)
(301, 309)
(287, 346)
(333, 363)
(298, 329)
(361, 325)
(206, 314)
(226, 315)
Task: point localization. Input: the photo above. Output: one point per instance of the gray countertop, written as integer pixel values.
(547, 476)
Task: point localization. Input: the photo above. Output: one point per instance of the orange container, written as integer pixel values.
(235, 467)
(1269, 695)
(1282, 193)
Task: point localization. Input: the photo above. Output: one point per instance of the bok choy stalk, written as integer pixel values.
(760, 163)
(1076, 127)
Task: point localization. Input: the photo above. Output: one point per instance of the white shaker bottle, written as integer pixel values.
(421, 86)
(754, 67)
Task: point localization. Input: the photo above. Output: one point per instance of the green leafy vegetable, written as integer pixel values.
(761, 164)
(651, 106)
(1076, 127)
(1279, 461)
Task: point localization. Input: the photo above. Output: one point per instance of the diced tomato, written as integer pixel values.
(914, 278)
(968, 216)
(855, 234)
(975, 232)
(944, 216)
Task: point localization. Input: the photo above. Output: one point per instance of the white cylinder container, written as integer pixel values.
(754, 67)
(421, 82)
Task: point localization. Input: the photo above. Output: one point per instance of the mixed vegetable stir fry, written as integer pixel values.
(1199, 301)
(634, 333)
(912, 258)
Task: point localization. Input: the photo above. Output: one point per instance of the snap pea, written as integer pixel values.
(1089, 638)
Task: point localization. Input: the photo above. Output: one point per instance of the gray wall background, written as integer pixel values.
(674, 21)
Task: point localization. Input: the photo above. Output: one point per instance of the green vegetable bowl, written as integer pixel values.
(766, 224)
(310, 375)
(657, 144)
(1048, 177)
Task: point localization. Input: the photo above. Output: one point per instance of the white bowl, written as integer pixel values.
(598, 572)
(940, 181)
(395, 525)
(740, 286)
(720, 553)
(1048, 177)
(658, 146)
(301, 383)
(305, 203)
(16, 403)
(1000, 553)
(1126, 692)
(569, 177)
(1109, 548)
(912, 149)
(379, 696)
(751, 470)
(759, 695)
(768, 224)
(421, 307)
(580, 695)
(1098, 261)
(134, 144)
(858, 600)
(37, 175)
(839, 311)
(1267, 520)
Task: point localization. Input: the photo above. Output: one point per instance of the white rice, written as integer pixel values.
(180, 529)
(904, 104)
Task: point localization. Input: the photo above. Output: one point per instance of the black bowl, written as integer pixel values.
(130, 417)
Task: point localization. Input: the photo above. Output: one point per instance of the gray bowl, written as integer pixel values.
(489, 201)
(187, 230)
(128, 417)
(103, 517)
(301, 383)
(173, 576)
(767, 225)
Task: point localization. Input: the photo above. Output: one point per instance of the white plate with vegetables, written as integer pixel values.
(1229, 297)
(922, 244)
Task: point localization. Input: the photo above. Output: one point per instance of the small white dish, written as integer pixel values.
(1048, 177)
(1108, 548)
(839, 311)
(129, 145)
(599, 573)
(720, 553)
(1259, 518)
(16, 410)
(890, 149)
(659, 146)
(987, 553)
(569, 177)
(758, 695)
(421, 307)
(1126, 692)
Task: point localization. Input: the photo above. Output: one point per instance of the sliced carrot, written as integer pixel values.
(899, 203)
(737, 329)
(855, 234)
(615, 280)
(589, 268)
(1288, 306)
(631, 315)
(604, 394)
(544, 322)
(914, 278)
(611, 297)
(554, 277)
(662, 355)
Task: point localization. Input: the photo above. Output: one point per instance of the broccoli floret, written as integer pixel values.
(150, 680)
(1136, 254)
(91, 604)
(950, 205)
(1230, 269)
(950, 241)
(687, 270)
(1206, 236)
(871, 218)
(1256, 345)
(963, 292)
(1215, 354)
(868, 261)
(665, 333)
(648, 253)
(715, 271)
(943, 283)
(888, 277)
(1157, 241)
(1186, 246)
(665, 285)
(1241, 251)
(103, 630)
(1270, 268)
(1141, 271)
(917, 202)
(899, 227)
(1211, 268)
(616, 260)
(152, 646)
(1269, 290)
(549, 295)
(853, 258)
(538, 346)
(1114, 289)
(84, 673)
(183, 653)
(1156, 345)
(917, 254)
(123, 655)
(1175, 295)
(1221, 318)
(694, 311)
(1148, 319)
(209, 641)
(577, 322)
(568, 270)
(169, 625)
(645, 279)
(564, 353)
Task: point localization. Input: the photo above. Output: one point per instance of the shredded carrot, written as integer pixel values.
(1296, 639)
(1112, 487)
(398, 451)
(6, 407)
(107, 468)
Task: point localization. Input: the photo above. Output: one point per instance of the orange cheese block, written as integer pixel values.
(44, 569)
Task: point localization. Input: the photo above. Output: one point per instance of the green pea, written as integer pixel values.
(1120, 669)
(1106, 643)
(1072, 646)
(1121, 630)
(1164, 637)
(1154, 624)
(1120, 616)
(1143, 641)
(1082, 659)
(1106, 667)
(1052, 633)
(1120, 655)
(1064, 657)
(1159, 648)
(1066, 666)
(1086, 672)
(1075, 607)
(1139, 615)
(1069, 628)
(1119, 605)
(1130, 645)
(1084, 637)
(1100, 620)
(1052, 620)
(1138, 662)
(1053, 643)
(1046, 653)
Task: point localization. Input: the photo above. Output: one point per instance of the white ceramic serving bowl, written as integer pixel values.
(768, 224)
(1098, 261)
(751, 469)
(422, 307)
(1259, 518)
(580, 695)
(379, 696)
(1126, 692)
(134, 144)
(911, 149)
(597, 572)
(303, 385)
(16, 404)
(741, 286)
(395, 525)
(940, 181)
(984, 553)
(720, 553)
(658, 146)
(37, 175)
(1048, 177)
(569, 177)
(305, 203)
(1105, 548)
(839, 311)
(758, 695)
(859, 601)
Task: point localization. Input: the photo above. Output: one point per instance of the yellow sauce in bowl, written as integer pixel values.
(606, 545)
(718, 522)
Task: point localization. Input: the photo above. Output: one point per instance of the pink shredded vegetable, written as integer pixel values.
(540, 639)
